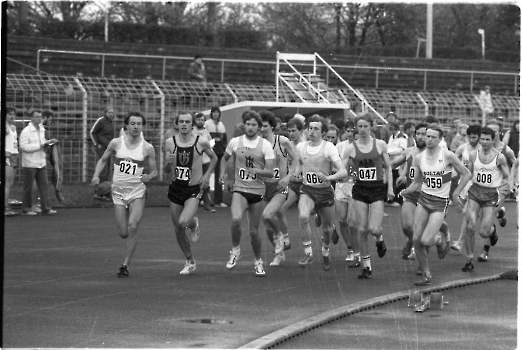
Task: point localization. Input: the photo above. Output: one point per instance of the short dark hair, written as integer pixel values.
(9, 109)
(420, 126)
(318, 119)
(215, 109)
(134, 114)
(176, 120)
(474, 130)
(366, 117)
(334, 128)
(339, 123)
(295, 122)
(408, 125)
(430, 119)
(488, 131)
(252, 115)
(197, 56)
(436, 127)
(269, 117)
(47, 114)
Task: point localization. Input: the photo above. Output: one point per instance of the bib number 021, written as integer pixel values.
(128, 168)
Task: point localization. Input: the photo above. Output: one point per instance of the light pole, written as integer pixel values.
(481, 32)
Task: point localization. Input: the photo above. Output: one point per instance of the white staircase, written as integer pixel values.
(300, 73)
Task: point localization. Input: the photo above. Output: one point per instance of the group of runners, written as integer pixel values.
(345, 185)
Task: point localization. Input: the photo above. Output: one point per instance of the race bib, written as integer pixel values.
(128, 167)
(312, 178)
(245, 175)
(433, 181)
(367, 174)
(182, 173)
(411, 173)
(483, 178)
(277, 174)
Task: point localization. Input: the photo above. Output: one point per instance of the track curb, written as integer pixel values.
(296, 329)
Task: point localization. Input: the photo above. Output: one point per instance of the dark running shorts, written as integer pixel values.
(484, 196)
(271, 190)
(12, 160)
(296, 187)
(322, 196)
(179, 194)
(433, 204)
(411, 197)
(369, 192)
(250, 197)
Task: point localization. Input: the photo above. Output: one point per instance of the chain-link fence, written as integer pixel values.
(77, 102)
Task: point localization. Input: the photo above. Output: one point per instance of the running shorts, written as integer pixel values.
(271, 190)
(484, 196)
(433, 204)
(322, 196)
(179, 194)
(369, 192)
(125, 195)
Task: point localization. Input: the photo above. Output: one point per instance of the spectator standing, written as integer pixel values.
(33, 144)
(385, 132)
(409, 130)
(217, 131)
(512, 137)
(102, 133)
(460, 138)
(199, 130)
(197, 71)
(396, 145)
(485, 101)
(11, 157)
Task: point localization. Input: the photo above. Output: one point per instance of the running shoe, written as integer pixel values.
(494, 237)
(29, 213)
(356, 261)
(278, 259)
(406, 251)
(426, 280)
(36, 209)
(412, 255)
(195, 232)
(286, 241)
(10, 213)
(234, 257)
(279, 245)
(307, 259)
(327, 265)
(210, 210)
(366, 273)
(483, 257)
(381, 248)
(335, 236)
(259, 269)
(124, 271)
(49, 212)
(444, 247)
(317, 220)
(350, 257)
(455, 245)
(189, 268)
(468, 267)
(501, 217)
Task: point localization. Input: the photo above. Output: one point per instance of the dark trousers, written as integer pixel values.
(105, 174)
(218, 189)
(40, 175)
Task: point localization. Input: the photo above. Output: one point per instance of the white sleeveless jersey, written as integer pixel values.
(487, 175)
(11, 141)
(436, 176)
(128, 164)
